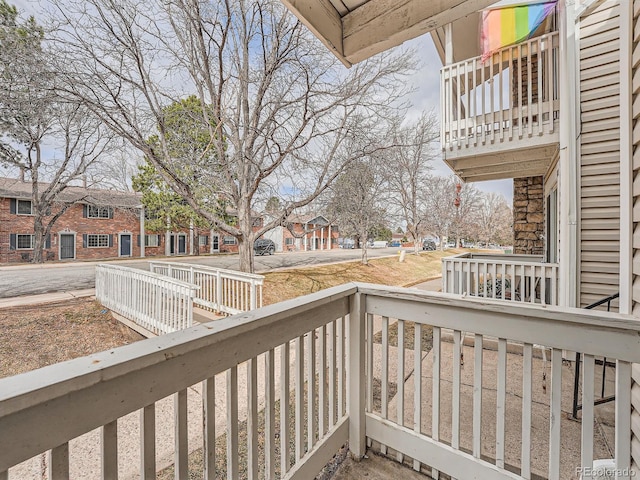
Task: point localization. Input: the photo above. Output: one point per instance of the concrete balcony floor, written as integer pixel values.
(375, 467)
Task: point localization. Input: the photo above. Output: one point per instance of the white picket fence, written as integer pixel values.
(155, 302)
(225, 291)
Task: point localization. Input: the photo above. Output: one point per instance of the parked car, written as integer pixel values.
(264, 246)
(429, 245)
(379, 244)
(395, 243)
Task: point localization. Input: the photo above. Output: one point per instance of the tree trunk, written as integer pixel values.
(416, 243)
(245, 242)
(364, 259)
(38, 243)
(245, 252)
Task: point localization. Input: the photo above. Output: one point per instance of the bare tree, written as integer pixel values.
(495, 219)
(280, 112)
(407, 166)
(445, 218)
(34, 118)
(355, 201)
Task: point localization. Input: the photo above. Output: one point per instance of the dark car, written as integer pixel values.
(428, 245)
(263, 246)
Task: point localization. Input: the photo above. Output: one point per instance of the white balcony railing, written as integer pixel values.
(225, 291)
(155, 302)
(510, 96)
(516, 278)
(329, 371)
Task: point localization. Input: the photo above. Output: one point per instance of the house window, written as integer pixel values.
(203, 240)
(24, 207)
(98, 212)
(25, 242)
(288, 241)
(152, 240)
(97, 240)
(229, 240)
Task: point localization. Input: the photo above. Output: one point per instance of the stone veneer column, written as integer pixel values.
(528, 216)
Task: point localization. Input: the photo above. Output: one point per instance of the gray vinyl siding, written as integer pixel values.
(635, 390)
(600, 153)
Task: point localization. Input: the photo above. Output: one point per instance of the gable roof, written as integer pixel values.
(14, 188)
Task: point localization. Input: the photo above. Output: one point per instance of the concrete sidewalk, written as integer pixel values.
(44, 298)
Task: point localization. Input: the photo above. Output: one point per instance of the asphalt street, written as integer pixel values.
(18, 280)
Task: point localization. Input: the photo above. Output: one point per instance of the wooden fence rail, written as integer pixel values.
(516, 278)
(514, 94)
(224, 291)
(155, 302)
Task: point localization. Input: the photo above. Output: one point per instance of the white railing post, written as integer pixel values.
(218, 299)
(356, 380)
(254, 294)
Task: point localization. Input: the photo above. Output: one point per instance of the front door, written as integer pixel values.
(67, 246)
(182, 244)
(216, 243)
(125, 245)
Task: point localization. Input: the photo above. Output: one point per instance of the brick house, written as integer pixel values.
(99, 224)
(320, 234)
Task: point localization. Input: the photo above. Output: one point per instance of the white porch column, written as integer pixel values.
(569, 157)
(167, 238)
(191, 242)
(306, 235)
(329, 240)
(142, 230)
(313, 238)
(626, 158)
(211, 241)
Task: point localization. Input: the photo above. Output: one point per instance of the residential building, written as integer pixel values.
(304, 233)
(97, 224)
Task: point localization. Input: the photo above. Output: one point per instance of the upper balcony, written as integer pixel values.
(500, 116)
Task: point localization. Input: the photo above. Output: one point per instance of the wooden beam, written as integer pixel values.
(504, 158)
(324, 21)
(380, 25)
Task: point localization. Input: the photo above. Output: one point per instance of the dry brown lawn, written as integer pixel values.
(41, 335)
(293, 283)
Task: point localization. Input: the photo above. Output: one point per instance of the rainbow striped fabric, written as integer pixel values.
(506, 26)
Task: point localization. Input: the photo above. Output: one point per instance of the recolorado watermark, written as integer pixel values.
(602, 472)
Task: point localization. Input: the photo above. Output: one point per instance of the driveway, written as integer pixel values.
(18, 280)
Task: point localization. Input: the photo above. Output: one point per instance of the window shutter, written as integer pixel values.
(110, 212)
(206, 242)
(84, 240)
(13, 206)
(47, 241)
(159, 239)
(110, 240)
(84, 210)
(12, 241)
(139, 242)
